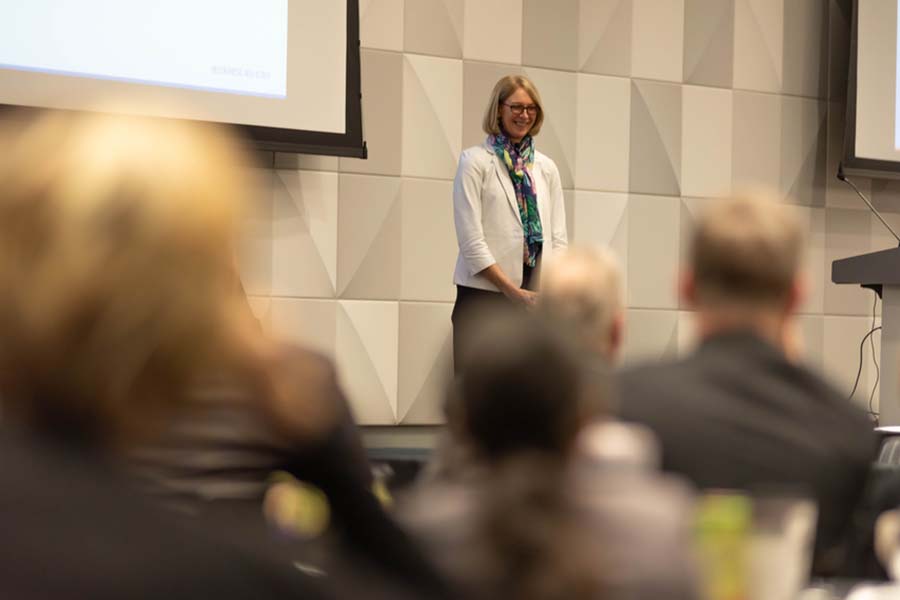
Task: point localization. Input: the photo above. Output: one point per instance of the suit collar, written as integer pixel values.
(746, 339)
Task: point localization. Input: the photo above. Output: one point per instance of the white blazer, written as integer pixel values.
(488, 224)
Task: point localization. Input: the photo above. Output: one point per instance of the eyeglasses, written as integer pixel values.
(518, 109)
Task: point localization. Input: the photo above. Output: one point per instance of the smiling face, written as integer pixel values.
(517, 126)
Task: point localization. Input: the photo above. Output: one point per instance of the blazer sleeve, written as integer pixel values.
(560, 238)
(467, 212)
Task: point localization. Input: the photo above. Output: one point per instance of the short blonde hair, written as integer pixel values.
(746, 250)
(581, 289)
(116, 277)
(505, 88)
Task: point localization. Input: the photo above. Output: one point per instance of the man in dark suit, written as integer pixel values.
(739, 412)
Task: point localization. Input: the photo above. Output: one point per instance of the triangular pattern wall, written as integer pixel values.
(650, 114)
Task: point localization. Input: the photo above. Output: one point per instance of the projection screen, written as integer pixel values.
(285, 71)
(872, 142)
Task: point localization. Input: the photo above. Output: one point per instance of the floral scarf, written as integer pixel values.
(519, 160)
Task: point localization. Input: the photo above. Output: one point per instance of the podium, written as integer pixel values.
(880, 271)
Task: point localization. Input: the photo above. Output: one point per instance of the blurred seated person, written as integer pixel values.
(528, 519)
(221, 455)
(581, 297)
(581, 292)
(234, 440)
(740, 412)
(115, 243)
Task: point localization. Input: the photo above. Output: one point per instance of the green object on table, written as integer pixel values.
(722, 533)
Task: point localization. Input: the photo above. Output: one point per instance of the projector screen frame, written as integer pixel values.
(851, 164)
(275, 139)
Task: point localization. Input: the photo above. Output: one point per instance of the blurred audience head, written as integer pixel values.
(519, 391)
(581, 293)
(116, 267)
(744, 260)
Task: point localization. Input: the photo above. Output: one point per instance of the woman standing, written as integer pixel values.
(508, 209)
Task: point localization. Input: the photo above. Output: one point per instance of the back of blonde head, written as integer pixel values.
(746, 251)
(581, 289)
(116, 245)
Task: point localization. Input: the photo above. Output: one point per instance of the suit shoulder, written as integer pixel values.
(650, 373)
(475, 154)
(473, 159)
(639, 389)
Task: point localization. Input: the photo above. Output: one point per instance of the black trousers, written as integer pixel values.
(470, 304)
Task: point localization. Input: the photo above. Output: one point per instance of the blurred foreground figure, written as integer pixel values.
(581, 294)
(739, 412)
(220, 456)
(581, 299)
(116, 295)
(538, 512)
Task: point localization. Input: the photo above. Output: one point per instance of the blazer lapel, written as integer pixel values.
(502, 174)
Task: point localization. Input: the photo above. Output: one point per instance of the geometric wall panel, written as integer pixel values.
(305, 162)
(847, 233)
(709, 42)
(428, 246)
(479, 79)
(658, 43)
(369, 229)
(757, 140)
(381, 24)
(354, 257)
(492, 31)
(360, 337)
(688, 338)
(706, 141)
(366, 355)
(254, 250)
(884, 195)
(569, 202)
(604, 37)
(655, 148)
(804, 150)
(650, 335)
(547, 30)
(837, 193)
(309, 323)
(653, 250)
(260, 308)
(425, 363)
(842, 336)
(881, 238)
(602, 135)
(810, 330)
(558, 90)
(433, 27)
(382, 109)
(814, 268)
(805, 48)
(601, 218)
(691, 209)
(759, 44)
(432, 116)
(304, 221)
